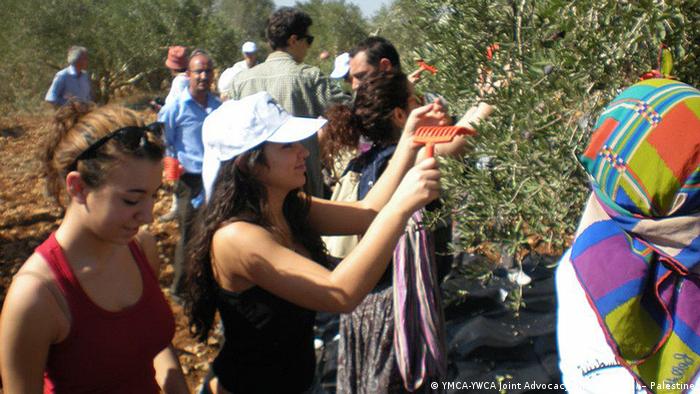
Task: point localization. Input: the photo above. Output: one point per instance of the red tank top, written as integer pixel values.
(107, 352)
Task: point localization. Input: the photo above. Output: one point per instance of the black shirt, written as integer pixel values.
(269, 343)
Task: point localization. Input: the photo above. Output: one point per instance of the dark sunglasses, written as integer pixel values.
(131, 137)
(309, 38)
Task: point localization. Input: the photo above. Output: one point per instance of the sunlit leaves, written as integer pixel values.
(558, 64)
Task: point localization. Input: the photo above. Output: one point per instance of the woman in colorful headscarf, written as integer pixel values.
(628, 286)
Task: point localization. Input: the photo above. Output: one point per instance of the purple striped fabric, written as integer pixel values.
(612, 249)
(419, 335)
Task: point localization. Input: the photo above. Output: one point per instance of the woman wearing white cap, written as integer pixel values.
(258, 257)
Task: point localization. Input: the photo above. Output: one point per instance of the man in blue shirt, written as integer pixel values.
(183, 119)
(73, 82)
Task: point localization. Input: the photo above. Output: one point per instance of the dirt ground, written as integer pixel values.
(27, 216)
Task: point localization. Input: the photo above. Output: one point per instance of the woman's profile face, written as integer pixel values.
(121, 205)
(286, 166)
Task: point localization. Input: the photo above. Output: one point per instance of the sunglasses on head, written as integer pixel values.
(131, 137)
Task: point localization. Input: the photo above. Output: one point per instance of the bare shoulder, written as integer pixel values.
(242, 236)
(36, 264)
(232, 246)
(33, 301)
(146, 240)
(150, 248)
(239, 244)
(34, 274)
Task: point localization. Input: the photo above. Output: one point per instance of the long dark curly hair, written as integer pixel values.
(238, 195)
(369, 115)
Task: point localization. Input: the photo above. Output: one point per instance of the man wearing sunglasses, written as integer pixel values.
(299, 88)
(183, 119)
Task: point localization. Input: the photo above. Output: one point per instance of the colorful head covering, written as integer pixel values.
(638, 243)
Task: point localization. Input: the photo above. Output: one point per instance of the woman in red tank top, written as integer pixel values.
(85, 312)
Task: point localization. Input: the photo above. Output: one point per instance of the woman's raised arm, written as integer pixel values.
(252, 253)
(341, 218)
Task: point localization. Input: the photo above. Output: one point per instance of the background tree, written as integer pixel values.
(127, 42)
(397, 22)
(128, 39)
(559, 62)
(337, 26)
(248, 17)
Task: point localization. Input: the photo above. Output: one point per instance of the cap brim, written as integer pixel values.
(296, 129)
(339, 72)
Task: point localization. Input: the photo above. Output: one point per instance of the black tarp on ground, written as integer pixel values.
(490, 348)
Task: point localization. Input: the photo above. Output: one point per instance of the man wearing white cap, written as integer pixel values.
(250, 59)
(341, 67)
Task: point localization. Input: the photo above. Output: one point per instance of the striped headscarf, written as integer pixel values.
(638, 243)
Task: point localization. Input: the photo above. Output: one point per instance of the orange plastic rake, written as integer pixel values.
(429, 136)
(427, 67)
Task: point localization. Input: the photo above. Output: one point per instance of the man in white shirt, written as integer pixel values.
(73, 82)
(250, 59)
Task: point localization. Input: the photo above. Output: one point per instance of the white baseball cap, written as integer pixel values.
(249, 47)
(240, 125)
(341, 66)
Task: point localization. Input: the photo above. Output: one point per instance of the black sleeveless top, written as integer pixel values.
(269, 346)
